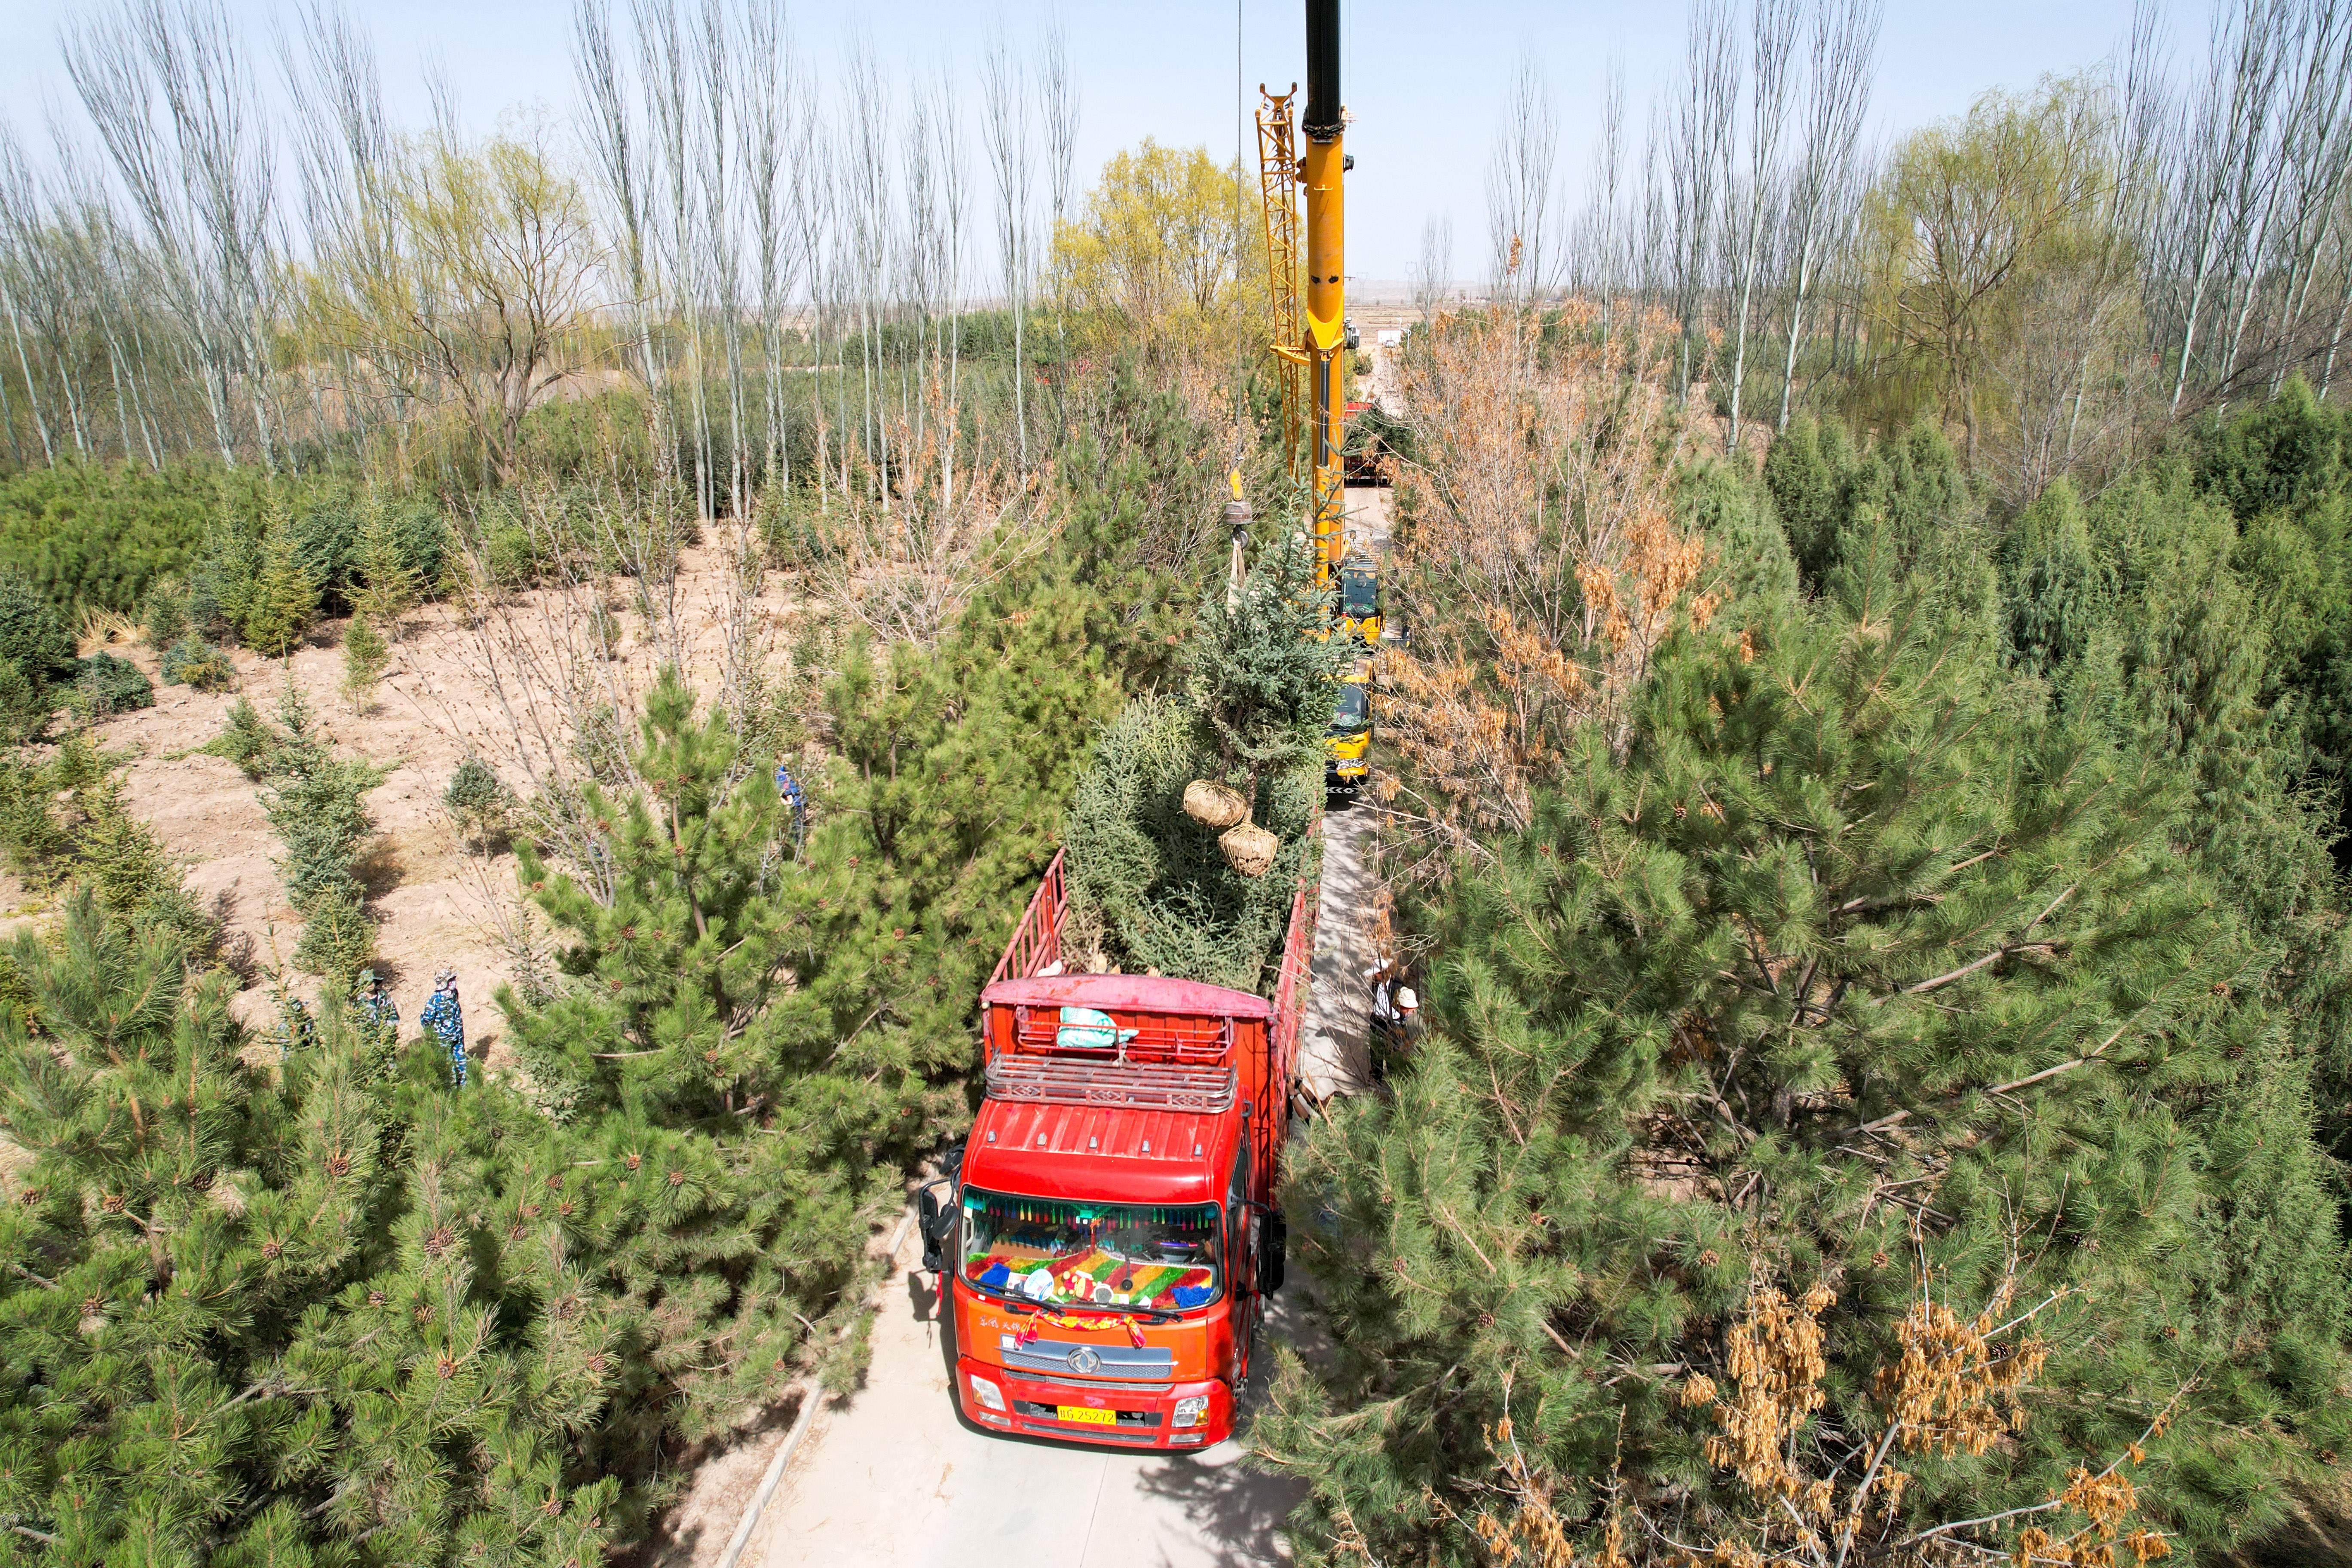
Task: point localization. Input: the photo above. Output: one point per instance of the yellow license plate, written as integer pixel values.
(1090, 1417)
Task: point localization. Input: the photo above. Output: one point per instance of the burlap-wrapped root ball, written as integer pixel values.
(1249, 849)
(1212, 805)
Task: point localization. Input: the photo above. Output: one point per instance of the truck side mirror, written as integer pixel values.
(1272, 1248)
(934, 1219)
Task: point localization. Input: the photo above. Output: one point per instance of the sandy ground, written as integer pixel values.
(438, 903)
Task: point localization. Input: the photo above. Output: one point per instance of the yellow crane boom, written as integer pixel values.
(1313, 350)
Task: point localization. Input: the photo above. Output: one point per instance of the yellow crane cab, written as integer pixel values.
(1348, 736)
(1360, 600)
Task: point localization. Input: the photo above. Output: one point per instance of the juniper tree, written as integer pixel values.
(1861, 969)
(1258, 672)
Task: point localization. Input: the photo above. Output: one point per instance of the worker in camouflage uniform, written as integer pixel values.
(377, 1019)
(295, 1028)
(447, 1023)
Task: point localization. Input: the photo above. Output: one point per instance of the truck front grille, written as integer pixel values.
(1149, 1364)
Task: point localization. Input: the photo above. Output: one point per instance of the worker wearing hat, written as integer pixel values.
(447, 1022)
(1394, 1011)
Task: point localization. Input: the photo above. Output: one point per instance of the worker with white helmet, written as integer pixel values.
(1395, 1010)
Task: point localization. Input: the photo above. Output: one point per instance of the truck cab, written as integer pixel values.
(1348, 739)
(1360, 600)
(1109, 1237)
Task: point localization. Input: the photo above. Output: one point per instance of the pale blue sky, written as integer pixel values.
(1426, 81)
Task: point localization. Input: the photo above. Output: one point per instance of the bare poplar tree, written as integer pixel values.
(1058, 93)
(1519, 179)
(1772, 50)
(771, 127)
(1432, 274)
(1838, 75)
(166, 85)
(1698, 159)
(1004, 127)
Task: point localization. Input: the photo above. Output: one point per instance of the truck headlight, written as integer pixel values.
(1191, 1410)
(987, 1393)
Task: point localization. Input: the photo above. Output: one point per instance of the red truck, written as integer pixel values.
(1108, 1238)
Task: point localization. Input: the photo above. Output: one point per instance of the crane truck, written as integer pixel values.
(1106, 1234)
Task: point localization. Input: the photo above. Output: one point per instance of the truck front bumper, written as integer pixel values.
(1142, 1415)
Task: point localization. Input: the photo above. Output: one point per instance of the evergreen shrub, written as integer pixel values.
(192, 661)
(32, 633)
(366, 657)
(164, 613)
(108, 685)
(479, 801)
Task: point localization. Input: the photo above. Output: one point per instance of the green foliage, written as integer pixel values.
(711, 981)
(63, 825)
(1145, 490)
(312, 799)
(2286, 455)
(394, 563)
(284, 598)
(1903, 503)
(1751, 559)
(32, 633)
(97, 536)
(480, 801)
(108, 685)
(223, 577)
(2058, 594)
(164, 613)
(24, 713)
(1258, 672)
(192, 661)
(1856, 966)
(1147, 884)
(247, 1307)
(246, 738)
(365, 657)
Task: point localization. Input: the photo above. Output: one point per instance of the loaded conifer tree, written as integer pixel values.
(1862, 991)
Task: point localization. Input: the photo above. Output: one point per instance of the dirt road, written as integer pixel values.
(1333, 1057)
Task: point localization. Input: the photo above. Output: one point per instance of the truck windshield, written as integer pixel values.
(1359, 591)
(1154, 1258)
(1351, 711)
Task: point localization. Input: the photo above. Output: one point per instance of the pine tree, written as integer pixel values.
(284, 599)
(727, 1004)
(366, 657)
(1858, 972)
(243, 1328)
(390, 583)
(959, 767)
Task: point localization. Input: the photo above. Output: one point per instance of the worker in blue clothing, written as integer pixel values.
(447, 1022)
(795, 802)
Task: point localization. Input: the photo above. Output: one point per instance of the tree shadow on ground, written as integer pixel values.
(1227, 1499)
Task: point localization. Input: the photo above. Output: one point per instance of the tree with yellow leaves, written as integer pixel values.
(1165, 253)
